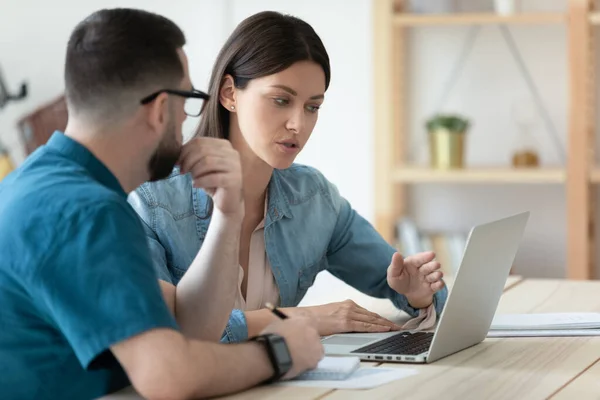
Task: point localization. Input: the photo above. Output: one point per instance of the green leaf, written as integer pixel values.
(451, 122)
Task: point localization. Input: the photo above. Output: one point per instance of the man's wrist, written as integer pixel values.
(264, 360)
(277, 352)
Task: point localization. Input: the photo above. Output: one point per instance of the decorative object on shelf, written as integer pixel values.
(5, 97)
(525, 154)
(447, 140)
(6, 165)
(506, 7)
(37, 126)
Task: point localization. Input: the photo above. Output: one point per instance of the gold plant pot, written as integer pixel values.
(446, 149)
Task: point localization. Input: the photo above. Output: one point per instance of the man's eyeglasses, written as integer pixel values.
(194, 99)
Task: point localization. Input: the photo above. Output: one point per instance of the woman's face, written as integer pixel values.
(276, 114)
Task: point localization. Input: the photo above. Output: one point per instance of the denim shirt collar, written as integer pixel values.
(78, 153)
(278, 202)
(279, 205)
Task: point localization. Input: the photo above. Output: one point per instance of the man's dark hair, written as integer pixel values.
(116, 57)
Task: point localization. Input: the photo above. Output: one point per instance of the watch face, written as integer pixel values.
(281, 351)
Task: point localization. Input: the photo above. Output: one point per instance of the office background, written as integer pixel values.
(488, 87)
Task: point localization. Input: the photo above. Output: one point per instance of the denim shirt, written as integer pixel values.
(309, 228)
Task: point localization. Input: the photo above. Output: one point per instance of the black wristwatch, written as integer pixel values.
(278, 352)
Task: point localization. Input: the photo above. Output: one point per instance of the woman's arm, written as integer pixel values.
(359, 256)
(339, 317)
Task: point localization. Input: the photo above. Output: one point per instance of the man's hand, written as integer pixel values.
(215, 166)
(303, 342)
(417, 277)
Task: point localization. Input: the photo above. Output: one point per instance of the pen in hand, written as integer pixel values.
(275, 311)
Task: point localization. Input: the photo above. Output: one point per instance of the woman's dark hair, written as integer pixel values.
(261, 45)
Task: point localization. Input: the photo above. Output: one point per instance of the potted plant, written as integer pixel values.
(447, 140)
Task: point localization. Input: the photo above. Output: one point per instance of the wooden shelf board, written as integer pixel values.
(478, 19)
(480, 175)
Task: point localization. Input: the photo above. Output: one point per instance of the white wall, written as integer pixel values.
(33, 41)
(32, 48)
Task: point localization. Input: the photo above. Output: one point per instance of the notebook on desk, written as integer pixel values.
(545, 325)
(332, 369)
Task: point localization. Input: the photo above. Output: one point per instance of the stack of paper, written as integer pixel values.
(548, 324)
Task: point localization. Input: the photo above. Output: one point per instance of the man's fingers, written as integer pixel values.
(195, 150)
(191, 156)
(207, 161)
(201, 143)
(210, 165)
(216, 180)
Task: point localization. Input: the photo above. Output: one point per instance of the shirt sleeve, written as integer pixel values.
(101, 289)
(359, 256)
(236, 329)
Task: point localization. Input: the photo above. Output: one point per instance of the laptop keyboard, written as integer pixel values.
(403, 343)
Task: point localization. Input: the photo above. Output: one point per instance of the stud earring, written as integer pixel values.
(233, 107)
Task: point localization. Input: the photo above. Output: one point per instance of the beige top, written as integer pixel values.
(262, 287)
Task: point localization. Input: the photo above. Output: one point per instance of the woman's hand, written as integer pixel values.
(345, 316)
(417, 277)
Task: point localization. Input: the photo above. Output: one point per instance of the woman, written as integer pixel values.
(266, 88)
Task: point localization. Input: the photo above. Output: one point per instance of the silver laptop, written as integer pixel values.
(465, 321)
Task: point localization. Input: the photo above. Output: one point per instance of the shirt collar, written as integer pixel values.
(79, 154)
(279, 204)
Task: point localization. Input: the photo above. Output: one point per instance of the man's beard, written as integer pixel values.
(165, 157)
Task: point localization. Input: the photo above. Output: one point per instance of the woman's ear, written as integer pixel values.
(227, 93)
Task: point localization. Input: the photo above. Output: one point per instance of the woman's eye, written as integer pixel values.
(313, 109)
(280, 101)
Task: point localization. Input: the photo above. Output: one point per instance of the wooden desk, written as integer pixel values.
(565, 296)
(415, 384)
(326, 289)
(514, 368)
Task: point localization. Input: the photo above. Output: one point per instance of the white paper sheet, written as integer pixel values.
(363, 378)
(546, 321)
